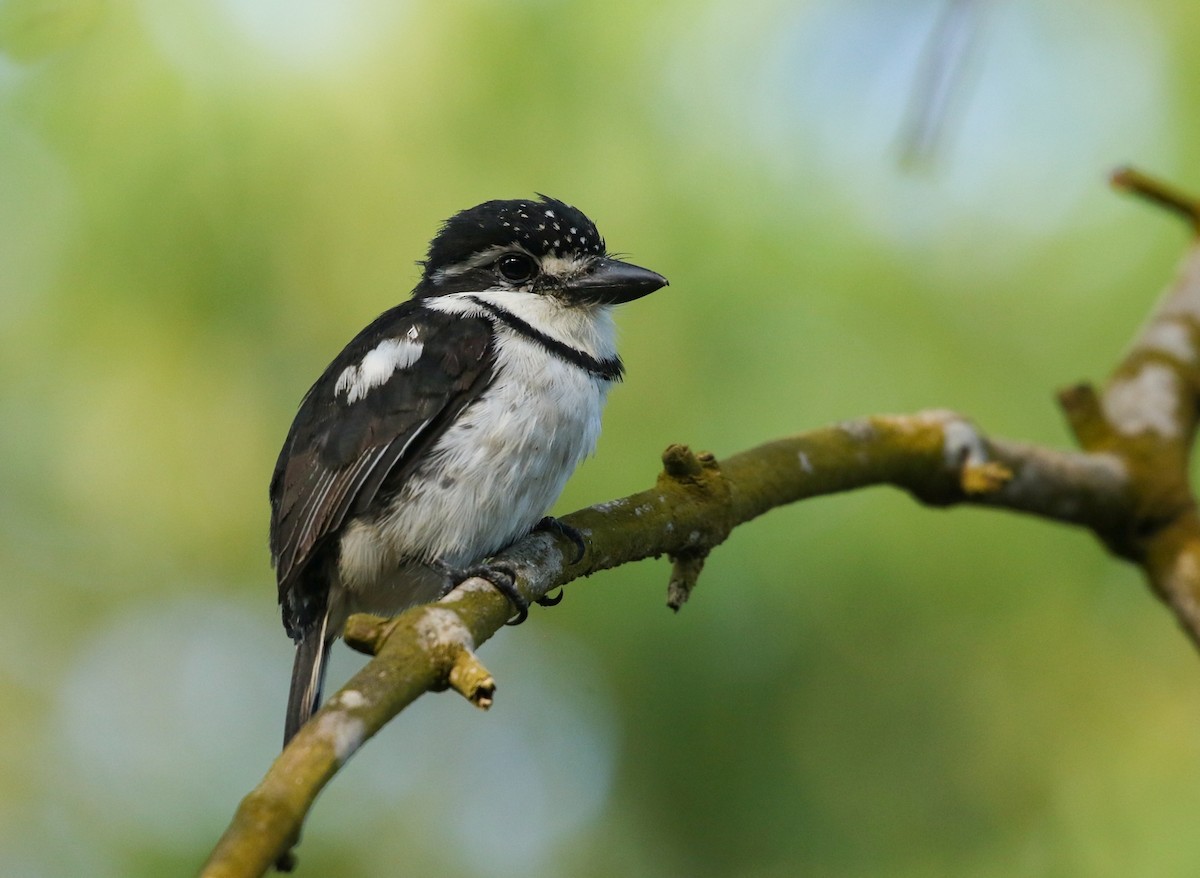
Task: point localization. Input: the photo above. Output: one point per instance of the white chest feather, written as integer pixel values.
(499, 468)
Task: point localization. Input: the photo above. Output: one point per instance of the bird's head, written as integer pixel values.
(542, 247)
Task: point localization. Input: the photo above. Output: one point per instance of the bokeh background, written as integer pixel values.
(201, 200)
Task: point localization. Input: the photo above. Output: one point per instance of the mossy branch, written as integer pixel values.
(1129, 485)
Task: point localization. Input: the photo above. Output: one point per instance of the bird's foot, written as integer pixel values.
(559, 527)
(503, 578)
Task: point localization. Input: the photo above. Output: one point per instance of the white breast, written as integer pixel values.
(496, 471)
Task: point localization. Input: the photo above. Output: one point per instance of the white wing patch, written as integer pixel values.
(378, 366)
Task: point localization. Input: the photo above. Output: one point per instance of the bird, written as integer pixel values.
(447, 428)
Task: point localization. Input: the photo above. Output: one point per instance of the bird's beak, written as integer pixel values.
(611, 282)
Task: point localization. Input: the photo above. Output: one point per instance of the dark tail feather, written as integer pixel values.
(308, 676)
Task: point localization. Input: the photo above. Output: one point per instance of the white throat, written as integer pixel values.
(586, 328)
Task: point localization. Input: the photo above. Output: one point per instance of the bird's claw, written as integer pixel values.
(550, 600)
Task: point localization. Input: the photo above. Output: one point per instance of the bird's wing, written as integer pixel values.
(382, 402)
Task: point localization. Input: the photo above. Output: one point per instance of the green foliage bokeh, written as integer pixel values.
(201, 201)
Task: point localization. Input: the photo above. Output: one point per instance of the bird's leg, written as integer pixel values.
(503, 578)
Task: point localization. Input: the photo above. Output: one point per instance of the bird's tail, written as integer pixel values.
(308, 676)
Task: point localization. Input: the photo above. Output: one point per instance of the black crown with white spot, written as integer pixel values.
(544, 227)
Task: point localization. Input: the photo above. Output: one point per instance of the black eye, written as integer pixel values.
(516, 268)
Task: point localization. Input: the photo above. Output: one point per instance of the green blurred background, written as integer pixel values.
(201, 200)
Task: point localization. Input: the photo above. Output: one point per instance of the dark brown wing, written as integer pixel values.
(342, 446)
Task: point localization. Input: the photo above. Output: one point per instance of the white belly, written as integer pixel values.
(489, 478)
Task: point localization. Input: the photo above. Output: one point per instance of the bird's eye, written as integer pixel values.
(516, 268)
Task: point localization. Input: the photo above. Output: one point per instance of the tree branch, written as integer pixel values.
(1129, 486)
